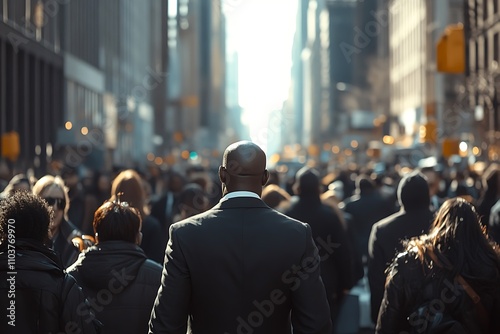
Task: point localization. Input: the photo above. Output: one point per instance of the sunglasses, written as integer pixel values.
(61, 202)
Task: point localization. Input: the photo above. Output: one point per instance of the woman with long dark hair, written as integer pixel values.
(449, 277)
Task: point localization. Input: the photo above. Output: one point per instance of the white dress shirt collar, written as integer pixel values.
(235, 194)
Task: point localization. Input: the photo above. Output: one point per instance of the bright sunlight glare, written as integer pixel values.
(261, 33)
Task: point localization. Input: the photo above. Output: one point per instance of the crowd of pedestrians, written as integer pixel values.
(245, 249)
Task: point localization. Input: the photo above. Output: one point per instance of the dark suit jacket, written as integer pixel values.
(385, 243)
(241, 267)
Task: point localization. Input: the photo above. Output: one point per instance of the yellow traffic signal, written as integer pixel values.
(450, 147)
(11, 147)
(450, 50)
(428, 132)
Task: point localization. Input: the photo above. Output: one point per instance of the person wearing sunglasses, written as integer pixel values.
(61, 230)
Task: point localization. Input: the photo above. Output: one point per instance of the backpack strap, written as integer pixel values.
(481, 310)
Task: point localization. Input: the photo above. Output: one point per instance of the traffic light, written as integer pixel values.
(11, 147)
(450, 50)
(428, 132)
(450, 147)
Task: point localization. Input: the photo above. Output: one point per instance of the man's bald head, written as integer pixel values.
(243, 167)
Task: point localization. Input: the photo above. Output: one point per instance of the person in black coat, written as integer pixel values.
(241, 267)
(414, 219)
(167, 206)
(364, 209)
(116, 274)
(36, 295)
(433, 272)
(326, 228)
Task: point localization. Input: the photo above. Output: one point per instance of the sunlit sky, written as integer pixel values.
(261, 32)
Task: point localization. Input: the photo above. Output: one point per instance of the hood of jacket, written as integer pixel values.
(30, 255)
(110, 262)
(413, 192)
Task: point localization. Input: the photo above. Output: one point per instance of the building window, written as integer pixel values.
(477, 56)
(485, 10)
(495, 6)
(486, 50)
(476, 6)
(496, 46)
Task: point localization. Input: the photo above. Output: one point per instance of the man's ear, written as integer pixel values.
(222, 174)
(265, 177)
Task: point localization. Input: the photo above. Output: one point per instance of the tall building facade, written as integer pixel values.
(82, 82)
(482, 31)
(358, 35)
(305, 114)
(114, 75)
(294, 106)
(316, 75)
(408, 61)
(198, 78)
(420, 95)
(235, 129)
(31, 83)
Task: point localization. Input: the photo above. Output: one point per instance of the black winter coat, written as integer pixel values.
(386, 242)
(332, 240)
(409, 278)
(121, 284)
(41, 297)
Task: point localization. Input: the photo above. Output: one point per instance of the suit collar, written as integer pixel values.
(236, 194)
(241, 202)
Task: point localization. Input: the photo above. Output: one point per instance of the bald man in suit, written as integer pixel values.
(241, 267)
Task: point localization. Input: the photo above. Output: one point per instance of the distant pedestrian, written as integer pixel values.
(365, 208)
(165, 208)
(128, 187)
(450, 276)
(116, 274)
(387, 235)
(241, 267)
(494, 223)
(327, 229)
(192, 201)
(62, 230)
(18, 182)
(490, 194)
(276, 197)
(36, 295)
